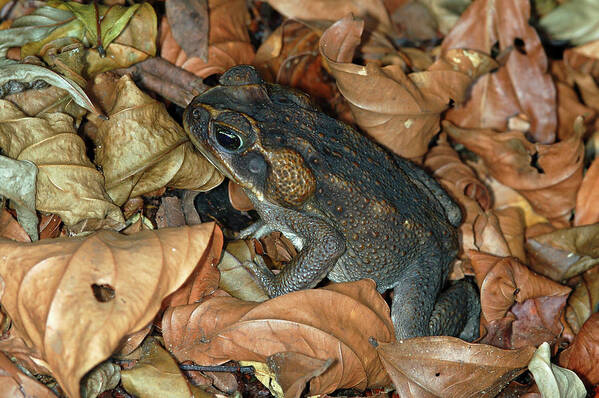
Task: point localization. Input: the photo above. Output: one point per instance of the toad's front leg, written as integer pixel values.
(321, 247)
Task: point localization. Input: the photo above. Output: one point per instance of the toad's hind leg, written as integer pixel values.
(416, 310)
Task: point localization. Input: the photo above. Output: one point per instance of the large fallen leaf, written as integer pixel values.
(500, 233)
(504, 281)
(583, 355)
(552, 380)
(17, 183)
(521, 86)
(406, 117)
(576, 21)
(14, 383)
(548, 176)
(228, 40)
(333, 322)
(442, 366)
(294, 370)
(565, 253)
(587, 211)
(74, 299)
(68, 184)
(141, 148)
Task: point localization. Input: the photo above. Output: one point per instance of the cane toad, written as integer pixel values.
(352, 209)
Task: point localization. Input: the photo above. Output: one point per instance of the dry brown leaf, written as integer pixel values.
(407, 116)
(74, 299)
(68, 184)
(204, 279)
(141, 148)
(442, 366)
(189, 25)
(565, 253)
(14, 383)
(373, 12)
(511, 221)
(332, 322)
(239, 200)
(170, 213)
(583, 355)
(228, 41)
(294, 370)
(462, 183)
(548, 176)
(584, 299)
(504, 281)
(521, 86)
(11, 229)
(488, 236)
(47, 100)
(587, 211)
(569, 108)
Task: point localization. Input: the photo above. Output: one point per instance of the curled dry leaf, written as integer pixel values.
(294, 370)
(74, 299)
(156, 374)
(569, 108)
(29, 73)
(17, 183)
(14, 383)
(373, 12)
(441, 366)
(565, 253)
(490, 237)
(548, 176)
(461, 181)
(584, 300)
(228, 40)
(587, 211)
(505, 281)
(68, 184)
(141, 148)
(521, 86)
(47, 100)
(552, 380)
(407, 116)
(333, 322)
(235, 279)
(583, 355)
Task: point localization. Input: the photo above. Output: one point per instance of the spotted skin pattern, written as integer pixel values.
(353, 209)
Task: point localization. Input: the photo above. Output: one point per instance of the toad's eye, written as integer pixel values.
(227, 138)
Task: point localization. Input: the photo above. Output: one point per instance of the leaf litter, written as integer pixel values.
(507, 127)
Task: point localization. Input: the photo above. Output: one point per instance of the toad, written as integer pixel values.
(352, 209)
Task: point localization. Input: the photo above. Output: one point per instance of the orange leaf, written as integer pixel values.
(74, 299)
(442, 366)
(583, 355)
(333, 322)
(547, 175)
(522, 85)
(407, 116)
(587, 211)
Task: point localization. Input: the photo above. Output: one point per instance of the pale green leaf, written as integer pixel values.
(576, 20)
(18, 184)
(29, 73)
(554, 381)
